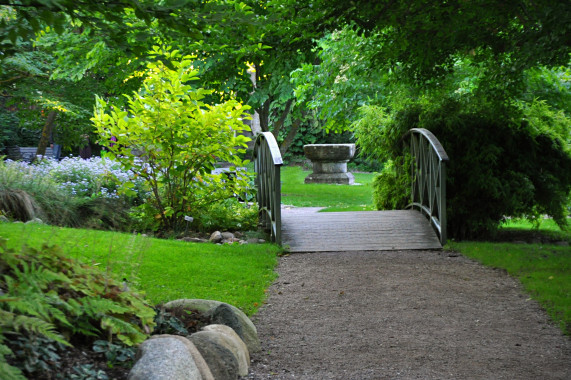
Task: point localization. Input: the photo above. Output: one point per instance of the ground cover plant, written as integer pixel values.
(50, 303)
(71, 192)
(334, 197)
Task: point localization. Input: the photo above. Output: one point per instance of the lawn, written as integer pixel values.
(334, 197)
(164, 269)
(546, 227)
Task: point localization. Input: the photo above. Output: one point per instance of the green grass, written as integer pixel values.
(164, 269)
(543, 269)
(335, 197)
(547, 227)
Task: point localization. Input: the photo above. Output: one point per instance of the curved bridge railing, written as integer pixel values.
(429, 178)
(267, 164)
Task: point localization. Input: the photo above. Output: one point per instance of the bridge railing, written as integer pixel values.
(267, 164)
(429, 178)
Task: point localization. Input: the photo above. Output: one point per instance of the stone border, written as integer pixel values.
(221, 351)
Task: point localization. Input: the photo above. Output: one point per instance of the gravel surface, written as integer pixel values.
(403, 315)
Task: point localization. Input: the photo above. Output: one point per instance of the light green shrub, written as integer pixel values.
(169, 137)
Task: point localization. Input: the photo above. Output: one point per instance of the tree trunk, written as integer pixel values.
(278, 126)
(264, 112)
(46, 133)
(290, 136)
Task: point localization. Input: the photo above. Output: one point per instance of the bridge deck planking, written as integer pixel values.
(306, 230)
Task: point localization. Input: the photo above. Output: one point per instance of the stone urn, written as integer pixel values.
(330, 163)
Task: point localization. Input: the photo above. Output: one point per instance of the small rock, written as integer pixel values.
(35, 221)
(238, 234)
(193, 239)
(261, 241)
(253, 241)
(216, 237)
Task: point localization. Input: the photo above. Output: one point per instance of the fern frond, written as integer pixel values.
(7, 372)
(36, 326)
(95, 306)
(125, 331)
(4, 350)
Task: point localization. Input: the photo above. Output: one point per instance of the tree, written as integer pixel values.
(424, 38)
(172, 139)
(471, 73)
(99, 17)
(342, 80)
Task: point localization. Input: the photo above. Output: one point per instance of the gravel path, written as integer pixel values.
(403, 315)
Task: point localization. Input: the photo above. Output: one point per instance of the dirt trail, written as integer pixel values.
(403, 315)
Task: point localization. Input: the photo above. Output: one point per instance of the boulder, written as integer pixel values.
(164, 358)
(221, 361)
(249, 332)
(196, 356)
(224, 315)
(231, 342)
(216, 237)
(3, 219)
(230, 332)
(227, 236)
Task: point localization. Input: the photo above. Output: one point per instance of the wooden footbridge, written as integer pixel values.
(421, 226)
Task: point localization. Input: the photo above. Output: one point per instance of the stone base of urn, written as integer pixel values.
(330, 163)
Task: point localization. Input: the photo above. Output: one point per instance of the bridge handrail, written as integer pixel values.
(267, 164)
(429, 178)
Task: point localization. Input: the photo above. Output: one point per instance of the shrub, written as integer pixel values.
(505, 159)
(171, 139)
(48, 301)
(229, 214)
(392, 187)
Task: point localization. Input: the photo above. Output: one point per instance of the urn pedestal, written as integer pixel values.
(330, 163)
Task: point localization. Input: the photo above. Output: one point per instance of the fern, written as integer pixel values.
(126, 332)
(48, 296)
(8, 372)
(95, 306)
